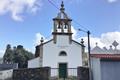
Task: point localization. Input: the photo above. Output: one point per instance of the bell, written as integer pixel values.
(59, 26)
(65, 26)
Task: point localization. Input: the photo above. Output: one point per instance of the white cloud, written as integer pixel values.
(38, 37)
(105, 40)
(18, 7)
(93, 41)
(109, 37)
(112, 1)
(74, 32)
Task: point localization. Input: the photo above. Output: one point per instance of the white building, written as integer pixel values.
(62, 50)
(6, 74)
(105, 63)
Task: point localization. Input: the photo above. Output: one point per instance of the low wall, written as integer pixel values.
(32, 74)
(83, 73)
(6, 74)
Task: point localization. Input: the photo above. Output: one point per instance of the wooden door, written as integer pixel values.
(62, 70)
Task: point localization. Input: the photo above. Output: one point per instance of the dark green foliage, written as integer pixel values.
(17, 55)
(8, 56)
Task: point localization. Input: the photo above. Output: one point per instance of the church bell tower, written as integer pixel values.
(62, 24)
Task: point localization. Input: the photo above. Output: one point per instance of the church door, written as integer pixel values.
(62, 70)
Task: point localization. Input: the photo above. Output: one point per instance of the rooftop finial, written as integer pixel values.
(115, 44)
(82, 42)
(111, 47)
(96, 44)
(62, 7)
(42, 40)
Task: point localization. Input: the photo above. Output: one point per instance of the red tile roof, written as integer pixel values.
(107, 56)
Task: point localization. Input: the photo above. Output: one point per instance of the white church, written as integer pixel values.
(61, 50)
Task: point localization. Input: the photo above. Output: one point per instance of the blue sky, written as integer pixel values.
(23, 22)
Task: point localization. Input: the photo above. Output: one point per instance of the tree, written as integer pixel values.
(8, 56)
(17, 55)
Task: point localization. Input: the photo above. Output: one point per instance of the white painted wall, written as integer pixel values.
(6, 74)
(105, 70)
(51, 53)
(110, 70)
(96, 68)
(34, 63)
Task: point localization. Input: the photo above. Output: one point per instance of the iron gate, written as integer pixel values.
(69, 74)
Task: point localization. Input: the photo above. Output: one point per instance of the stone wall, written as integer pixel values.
(83, 73)
(32, 74)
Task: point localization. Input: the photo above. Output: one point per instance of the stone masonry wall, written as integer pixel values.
(83, 73)
(32, 74)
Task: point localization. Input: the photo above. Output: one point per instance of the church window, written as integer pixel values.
(62, 53)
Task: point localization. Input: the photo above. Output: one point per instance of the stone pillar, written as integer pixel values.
(48, 71)
(83, 73)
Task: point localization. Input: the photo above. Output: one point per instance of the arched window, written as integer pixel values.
(62, 53)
